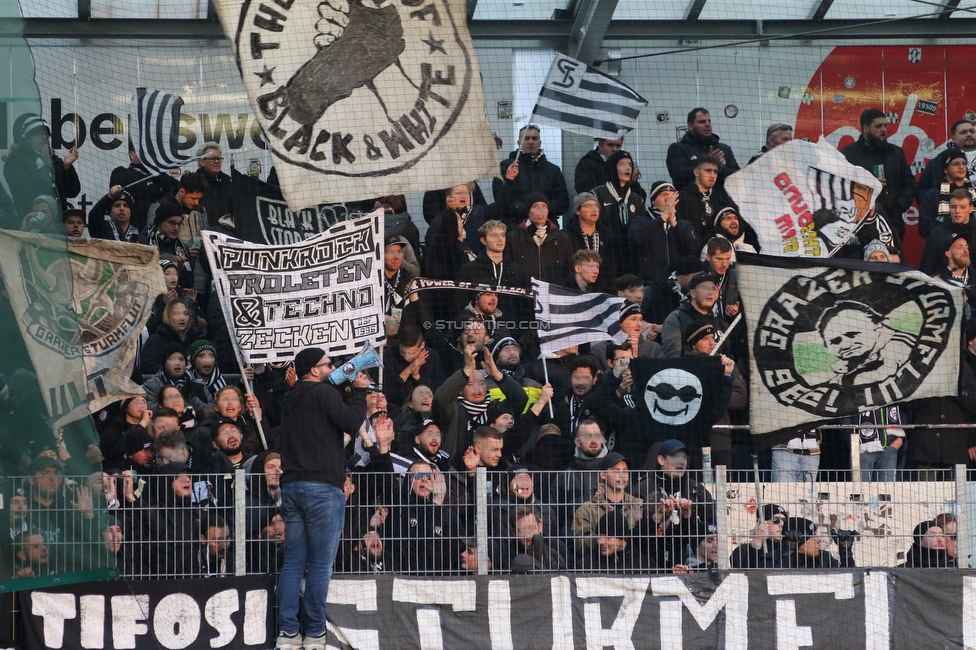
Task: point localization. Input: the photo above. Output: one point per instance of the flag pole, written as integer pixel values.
(545, 372)
(143, 180)
(725, 335)
(247, 390)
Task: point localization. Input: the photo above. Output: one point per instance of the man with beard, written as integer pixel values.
(461, 402)
(699, 142)
(963, 139)
(574, 487)
(956, 269)
(660, 238)
(740, 234)
(887, 162)
(528, 172)
(960, 221)
(619, 206)
(227, 438)
(935, 205)
(702, 294)
(700, 201)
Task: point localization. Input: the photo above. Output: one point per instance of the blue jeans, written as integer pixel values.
(879, 465)
(314, 513)
(790, 467)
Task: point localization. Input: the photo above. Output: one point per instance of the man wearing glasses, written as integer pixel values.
(312, 502)
(217, 200)
(764, 550)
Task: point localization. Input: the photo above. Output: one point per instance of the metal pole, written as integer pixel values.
(481, 517)
(240, 523)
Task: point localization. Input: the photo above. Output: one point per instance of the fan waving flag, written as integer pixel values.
(156, 129)
(581, 99)
(804, 199)
(832, 338)
(568, 317)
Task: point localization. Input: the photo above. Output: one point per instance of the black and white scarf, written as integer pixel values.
(623, 212)
(214, 383)
(477, 413)
(158, 239)
(942, 216)
(393, 299)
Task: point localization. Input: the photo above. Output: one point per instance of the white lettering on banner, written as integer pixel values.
(461, 597)
(562, 613)
(128, 614)
(876, 619)
(621, 631)
(92, 621)
(789, 635)
(54, 609)
(969, 612)
(255, 615)
(362, 594)
(176, 621)
(217, 612)
(500, 615)
(732, 595)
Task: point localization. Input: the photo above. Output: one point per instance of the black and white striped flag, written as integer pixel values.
(581, 99)
(568, 317)
(156, 129)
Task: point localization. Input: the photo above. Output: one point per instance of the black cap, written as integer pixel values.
(696, 331)
(951, 155)
(614, 524)
(42, 463)
(136, 440)
(73, 212)
(800, 525)
(167, 210)
(613, 458)
(951, 239)
(657, 187)
(627, 310)
(306, 360)
(702, 277)
(671, 447)
(769, 510)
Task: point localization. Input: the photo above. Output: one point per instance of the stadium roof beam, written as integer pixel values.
(820, 11)
(555, 33)
(472, 7)
(694, 11)
(589, 28)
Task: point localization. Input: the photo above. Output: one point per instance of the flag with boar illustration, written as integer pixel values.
(361, 98)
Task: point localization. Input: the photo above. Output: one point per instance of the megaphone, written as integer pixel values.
(367, 358)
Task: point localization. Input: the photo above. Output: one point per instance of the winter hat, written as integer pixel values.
(306, 360)
(536, 197)
(582, 198)
(171, 349)
(657, 188)
(724, 212)
(874, 247)
(136, 440)
(199, 346)
(166, 210)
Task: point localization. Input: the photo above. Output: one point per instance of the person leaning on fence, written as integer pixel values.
(32, 555)
(612, 496)
(515, 493)
(614, 550)
(802, 548)
(947, 522)
(672, 479)
(215, 554)
(168, 527)
(425, 534)
(580, 482)
(532, 548)
(928, 549)
(765, 546)
(485, 451)
(314, 420)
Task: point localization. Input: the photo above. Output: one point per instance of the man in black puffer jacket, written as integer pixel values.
(697, 142)
(873, 152)
(532, 173)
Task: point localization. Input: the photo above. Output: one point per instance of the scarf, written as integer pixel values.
(942, 215)
(477, 413)
(591, 242)
(393, 299)
(131, 234)
(575, 412)
(622, 204)
(158, 239)
(214, 383)
(706, 206)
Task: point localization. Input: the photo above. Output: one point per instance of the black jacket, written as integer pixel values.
(935, 171)
(101, 226)
(550, 262)
(144, 193)
(591, 173)
(659, 245)
(692, 207)
(28, 177)
(899, 192)
(314, 418)
(683, 154)
(535, 175)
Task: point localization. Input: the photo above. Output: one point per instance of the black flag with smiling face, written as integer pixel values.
(681, 398)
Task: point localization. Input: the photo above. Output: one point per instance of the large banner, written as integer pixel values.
(362, 99)
(831, 338)
(803, 199)
(230, 613)
(80, 304)
(325, 291)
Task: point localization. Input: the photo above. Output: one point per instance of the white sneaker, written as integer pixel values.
(285, 642)
(315, 642)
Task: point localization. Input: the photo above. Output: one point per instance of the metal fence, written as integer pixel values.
(428, 522)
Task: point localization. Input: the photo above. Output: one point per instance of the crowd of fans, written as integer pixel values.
(580, 480)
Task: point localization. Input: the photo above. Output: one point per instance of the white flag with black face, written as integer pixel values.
(569, 317)
(804, 199)
(833, 338)
(155, 120)
(581, 99)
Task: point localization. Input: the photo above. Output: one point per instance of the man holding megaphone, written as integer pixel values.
(314, 419)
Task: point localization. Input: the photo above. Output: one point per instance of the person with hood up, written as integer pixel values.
(928, 547)
(619, 206)
(538, 245)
